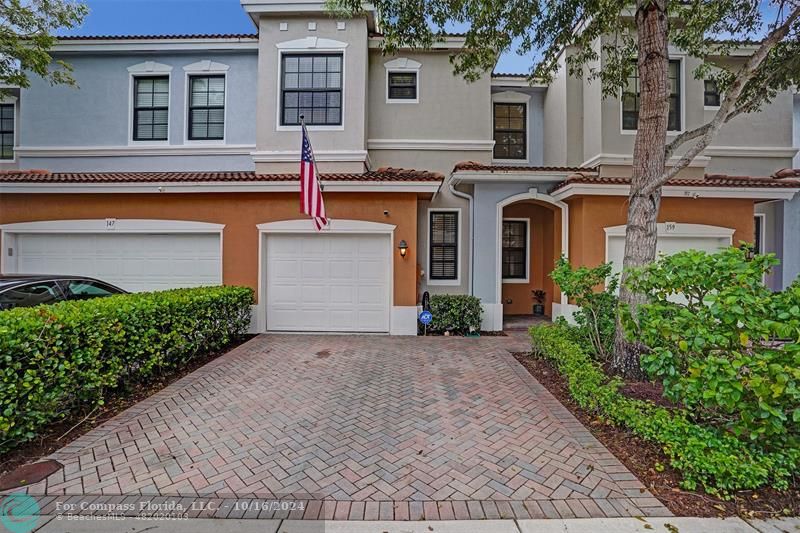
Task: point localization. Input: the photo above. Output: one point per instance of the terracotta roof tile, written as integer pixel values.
(39, 176)
(710, 180)
(481, 167)
(150, 37)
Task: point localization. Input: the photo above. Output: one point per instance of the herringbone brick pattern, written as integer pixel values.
(382, 426)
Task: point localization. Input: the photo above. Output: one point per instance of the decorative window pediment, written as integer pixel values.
(312, 43)
(150, 67)
(402, 63)
(206, 66)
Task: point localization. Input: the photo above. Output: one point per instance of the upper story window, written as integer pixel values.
(150, 108)
(206, 108)
(510, 131)
(311, 86)
(6, 131)
(443, 245)
(402, 86)
(711, 96)
(630, 99)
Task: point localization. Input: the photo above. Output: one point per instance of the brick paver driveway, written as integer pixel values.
(383, 427)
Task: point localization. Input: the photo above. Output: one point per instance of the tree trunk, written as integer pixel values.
(648, 166)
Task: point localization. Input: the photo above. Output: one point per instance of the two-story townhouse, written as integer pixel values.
(175, 164)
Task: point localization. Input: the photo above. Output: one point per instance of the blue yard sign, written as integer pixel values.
(425, 317)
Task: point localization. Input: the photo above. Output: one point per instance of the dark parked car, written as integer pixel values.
(29, 290)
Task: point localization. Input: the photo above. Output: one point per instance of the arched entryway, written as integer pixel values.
(532, 235)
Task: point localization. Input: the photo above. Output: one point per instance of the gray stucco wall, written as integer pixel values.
(98, 113)
(487, 196)
(791, 240)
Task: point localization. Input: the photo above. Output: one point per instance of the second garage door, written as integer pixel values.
(134, 262)
(335, 283)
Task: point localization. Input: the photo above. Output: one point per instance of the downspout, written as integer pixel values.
(469, 199)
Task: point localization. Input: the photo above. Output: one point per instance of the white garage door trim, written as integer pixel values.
(403, 319)
(107, 226)
(671, 230)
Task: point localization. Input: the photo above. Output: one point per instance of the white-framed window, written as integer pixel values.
(629, 102)
(711, 94)
(516, 257)
(444, 239)
(206, 112)
(402, 81)
(8, 129)
(510, 127)
(151, 108)
(206, 97)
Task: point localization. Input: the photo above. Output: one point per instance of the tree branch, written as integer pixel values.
(687, 136)
(707, 132)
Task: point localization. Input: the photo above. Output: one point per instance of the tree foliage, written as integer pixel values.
(26, 37)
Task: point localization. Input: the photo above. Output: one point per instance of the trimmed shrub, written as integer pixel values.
(722, 343)
(457, 313)
(707, 457)
(58, 360)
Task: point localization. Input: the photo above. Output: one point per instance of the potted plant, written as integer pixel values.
(538, 308)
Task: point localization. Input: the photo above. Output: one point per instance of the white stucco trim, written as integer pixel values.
(399, 320)
(444, 282)
(510, 176)
(403, 65)
(528, 247)
(532, 194)
(513, 97)
(516, 81)
(755, 193)
(627, 160)
(293, 156)
(206, 66)
(306, 225)
(447, 43)
(312, 43)
(676, 229)
(750, 151)
(160, 45)
(150, 67)
(462, 145)
(214, 187)
(135, 150)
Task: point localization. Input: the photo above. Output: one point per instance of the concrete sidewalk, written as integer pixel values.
(52, 524)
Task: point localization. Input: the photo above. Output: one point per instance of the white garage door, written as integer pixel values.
(672, 238)
(328, 282)
(134, 262)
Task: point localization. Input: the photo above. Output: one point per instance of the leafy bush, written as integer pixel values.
(458, 313)
(60, 359)
(597, 317)
(722, 343)
(715, 460)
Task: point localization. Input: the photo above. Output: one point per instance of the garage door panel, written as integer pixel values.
(134, 262)
(342, 283)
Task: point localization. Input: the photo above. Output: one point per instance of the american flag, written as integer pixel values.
(310, 190)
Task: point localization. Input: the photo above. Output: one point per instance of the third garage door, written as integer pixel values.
(318, 282)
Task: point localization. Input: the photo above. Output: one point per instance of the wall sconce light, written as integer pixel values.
(403, 247)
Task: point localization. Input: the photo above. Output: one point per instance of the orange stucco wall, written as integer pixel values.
(590, 214)
(240, 212)
(544, 248)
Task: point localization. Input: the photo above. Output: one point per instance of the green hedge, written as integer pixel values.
(706, 457)
(59, 360)
(458, 313)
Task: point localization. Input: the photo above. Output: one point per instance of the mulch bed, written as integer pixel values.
(61, 433)
(643, 458)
